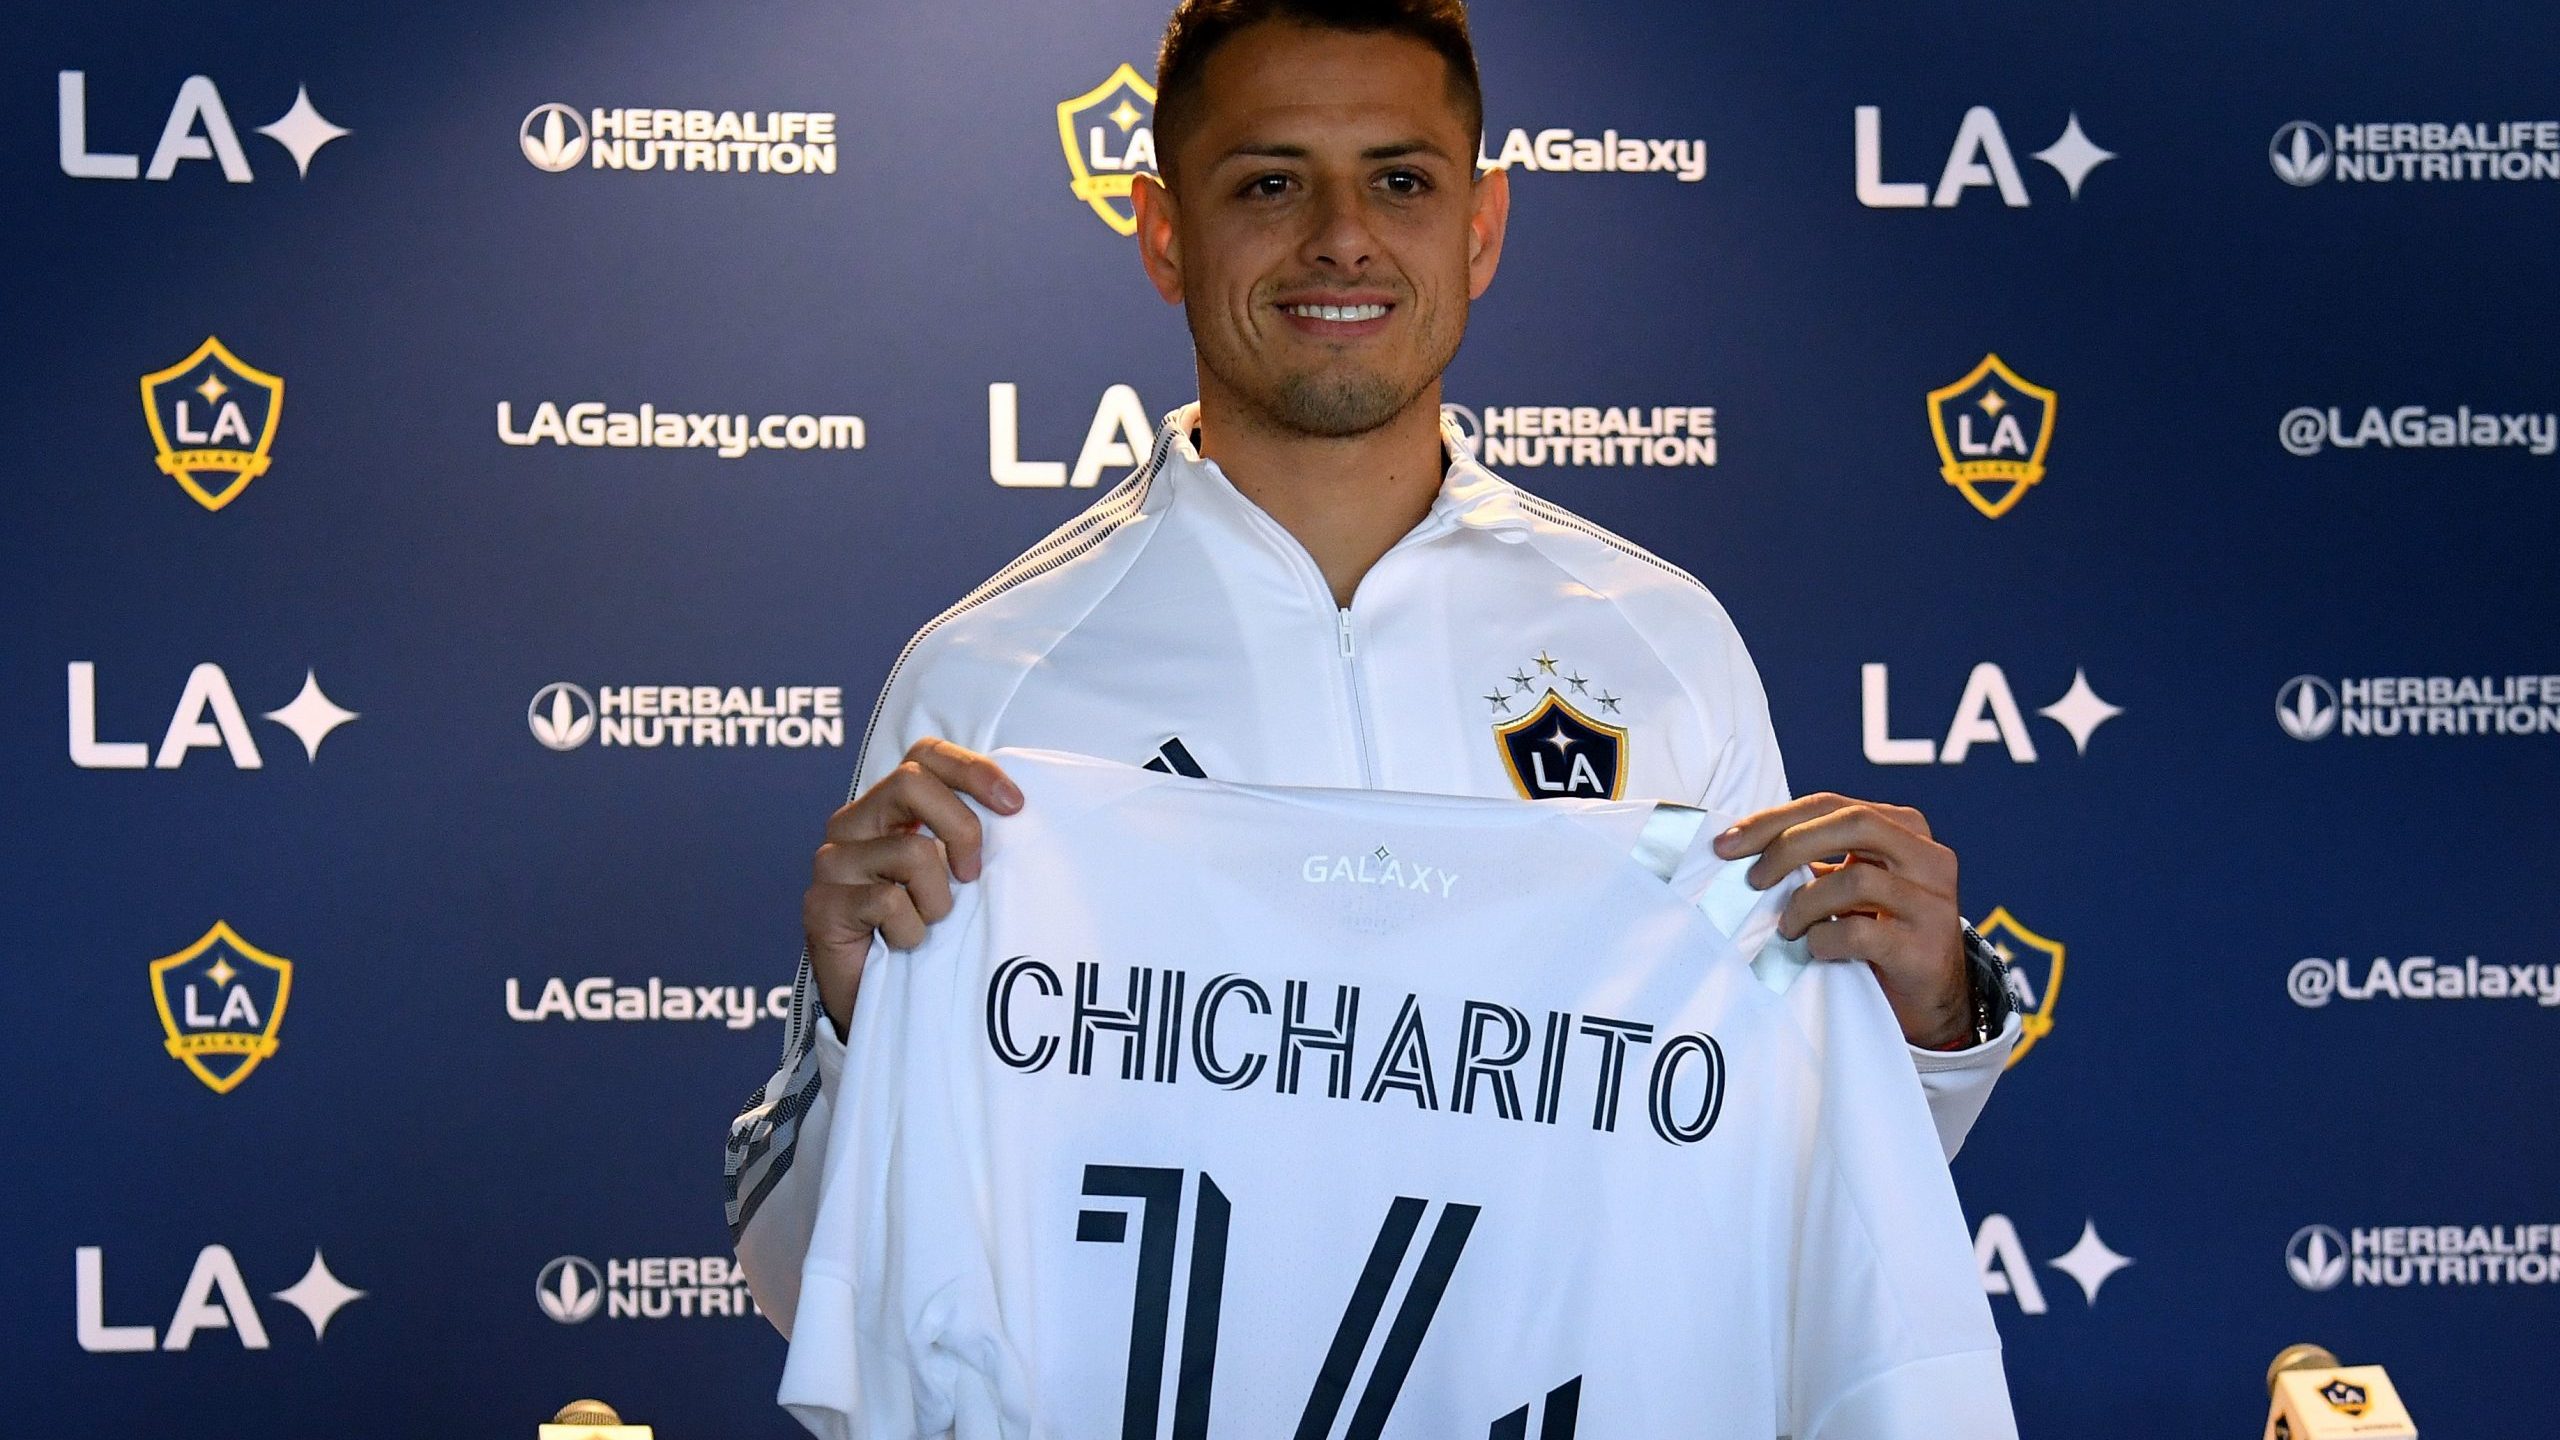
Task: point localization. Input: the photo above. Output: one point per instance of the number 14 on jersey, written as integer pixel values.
(1158, 1193)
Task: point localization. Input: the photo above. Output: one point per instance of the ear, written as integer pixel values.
(1158, 250)
(1485, 228)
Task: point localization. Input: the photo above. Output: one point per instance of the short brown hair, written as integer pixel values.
(1199, 27)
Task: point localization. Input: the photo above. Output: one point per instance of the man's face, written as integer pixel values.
(1327, 229)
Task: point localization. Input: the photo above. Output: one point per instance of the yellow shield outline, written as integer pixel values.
(243, 465)
(189, 1049)
(1099, 191)
(2036, 1026)
(1552, 703)
(1967, 475)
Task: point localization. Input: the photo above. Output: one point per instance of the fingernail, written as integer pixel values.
(1008, 799)
(1725, 842)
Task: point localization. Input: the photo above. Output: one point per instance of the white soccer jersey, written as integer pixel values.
(1504, 647)
(1223, 1111)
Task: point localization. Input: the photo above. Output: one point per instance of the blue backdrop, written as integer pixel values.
(2213, 625)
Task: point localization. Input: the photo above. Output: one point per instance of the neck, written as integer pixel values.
(1348, 500)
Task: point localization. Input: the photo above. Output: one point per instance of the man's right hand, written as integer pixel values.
(889, 860)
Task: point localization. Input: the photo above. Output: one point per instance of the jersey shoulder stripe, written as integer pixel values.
(1063, 546)
(768, 1127)
(1557, 515)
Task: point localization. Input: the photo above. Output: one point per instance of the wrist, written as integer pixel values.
(1985, 1009)
(1954, 1031)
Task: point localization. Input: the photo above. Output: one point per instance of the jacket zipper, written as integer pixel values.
(1346, 646)
(1359, 705)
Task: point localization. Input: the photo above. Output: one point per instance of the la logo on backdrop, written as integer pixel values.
(2035, 975)
(1109, 136)
(213, 419)
(1993, 428)
(221, 1001)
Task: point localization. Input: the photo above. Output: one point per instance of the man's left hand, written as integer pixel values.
(1884, 891)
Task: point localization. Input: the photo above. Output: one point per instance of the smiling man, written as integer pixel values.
(1309, 582)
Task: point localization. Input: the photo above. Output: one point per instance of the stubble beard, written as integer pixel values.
(1328, 404)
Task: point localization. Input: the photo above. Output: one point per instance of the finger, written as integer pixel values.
(1853, 937)
(1857, 829)
(1856, 888)
(1753, 832)
(888, 910)
(831, 918)
(841, 918)
(913, 860)
(923, 865)
(1865, 890)
(1909, 819)
(838, 944)
(905, 798)
(968, 772)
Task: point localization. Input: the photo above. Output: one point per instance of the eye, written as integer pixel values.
(1266, 187)
(1405, 182)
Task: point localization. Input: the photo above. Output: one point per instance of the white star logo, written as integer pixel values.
(311, 716)
(2090, 1262)
(221, 973)
(319, 1295)
(2080, 711)
(303, 131)
(2073, 157)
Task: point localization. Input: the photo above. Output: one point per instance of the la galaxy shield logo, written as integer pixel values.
(2343, 1394)
(213, 417)
(1993, 428)
(1109, 136)
(1552, 750)
(2035, 975)
(221, 1001)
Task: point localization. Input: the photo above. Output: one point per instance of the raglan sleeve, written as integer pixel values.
(884, 1284)
(1890, 1336)
(777, 1144)
(1750, 776)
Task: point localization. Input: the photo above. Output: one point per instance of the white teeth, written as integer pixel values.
(1338, 312)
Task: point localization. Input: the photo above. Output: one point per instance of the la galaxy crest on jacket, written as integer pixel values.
(1249, 1111)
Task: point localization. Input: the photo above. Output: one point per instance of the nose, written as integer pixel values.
(1339, 239)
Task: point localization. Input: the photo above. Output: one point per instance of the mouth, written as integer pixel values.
(1340, 319)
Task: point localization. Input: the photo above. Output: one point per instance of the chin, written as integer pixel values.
(1337, 406)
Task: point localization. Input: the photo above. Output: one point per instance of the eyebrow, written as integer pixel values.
(1390, 151)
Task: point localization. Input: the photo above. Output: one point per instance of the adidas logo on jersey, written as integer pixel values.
(1174, 758)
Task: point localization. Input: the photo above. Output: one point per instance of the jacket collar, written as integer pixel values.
(1470, 495)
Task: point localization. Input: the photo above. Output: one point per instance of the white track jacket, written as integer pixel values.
(1503, 647)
